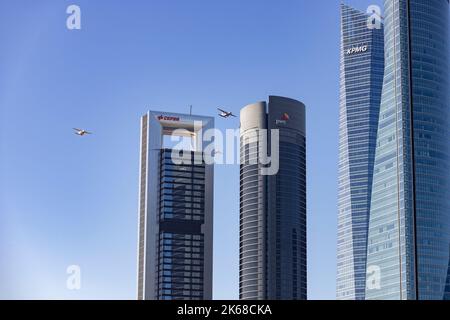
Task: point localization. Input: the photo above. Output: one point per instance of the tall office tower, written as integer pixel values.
(362, 68)
(409, 227)
(175, 209)
(273, 201)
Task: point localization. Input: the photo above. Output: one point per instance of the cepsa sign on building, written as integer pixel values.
(168, 118)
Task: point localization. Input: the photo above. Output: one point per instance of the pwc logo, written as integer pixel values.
(167, 118)
(284, 119)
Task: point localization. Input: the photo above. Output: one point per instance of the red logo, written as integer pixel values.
(284, 119)
(168, 118)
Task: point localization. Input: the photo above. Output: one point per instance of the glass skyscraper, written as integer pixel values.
(362, 67)
(175, 210)
(272, 257)
(409, 227)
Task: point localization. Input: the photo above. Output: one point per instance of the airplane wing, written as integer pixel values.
(233, 115)
(87, 132)
(222, 110)
(76, 129)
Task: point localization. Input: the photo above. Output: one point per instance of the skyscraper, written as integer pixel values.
(362, 67)
(273, 201)
(175, 209)
(409, 227)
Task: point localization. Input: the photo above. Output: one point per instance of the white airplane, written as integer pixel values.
(81, 132)
(225, 114)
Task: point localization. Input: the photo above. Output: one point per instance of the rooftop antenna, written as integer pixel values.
(190, 110)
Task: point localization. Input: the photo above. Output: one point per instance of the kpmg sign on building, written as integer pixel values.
(357, 49)
(361, 82)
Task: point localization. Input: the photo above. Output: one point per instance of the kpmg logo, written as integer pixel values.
(359, 49)
(284, 119)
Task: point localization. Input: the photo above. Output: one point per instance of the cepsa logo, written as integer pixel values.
(284, 119)
(168, 118)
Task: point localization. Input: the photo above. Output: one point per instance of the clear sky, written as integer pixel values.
(67, 200)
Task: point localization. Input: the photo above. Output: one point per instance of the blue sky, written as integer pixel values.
(66, 200)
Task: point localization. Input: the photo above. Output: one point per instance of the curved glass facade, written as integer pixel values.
(287, 221)
(253, 200)
(252, 225)
(362, 68)
(272, 261)
(409, 228)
